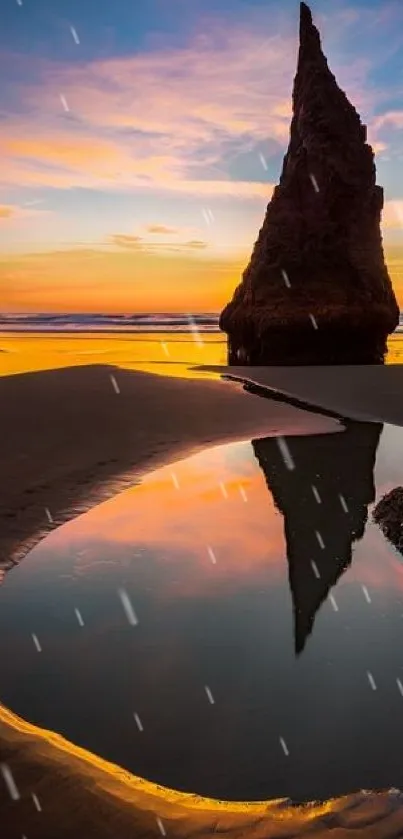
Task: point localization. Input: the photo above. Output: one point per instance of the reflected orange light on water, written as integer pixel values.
(207, 521)
(167, 354)
(179, 513)
(164, 353)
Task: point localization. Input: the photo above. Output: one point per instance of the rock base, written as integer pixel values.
(290, 347)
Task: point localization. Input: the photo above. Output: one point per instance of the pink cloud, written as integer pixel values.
(186, 108)
(392, 215)
(190, 112)
(392, 119)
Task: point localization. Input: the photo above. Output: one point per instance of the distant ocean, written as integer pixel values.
(150, 322)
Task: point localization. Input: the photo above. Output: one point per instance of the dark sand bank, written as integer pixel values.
(366, 392)
(68, 439)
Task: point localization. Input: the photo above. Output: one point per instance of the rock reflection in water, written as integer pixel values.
(324, 501)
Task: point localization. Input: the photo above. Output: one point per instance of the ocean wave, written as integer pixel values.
(146, 322)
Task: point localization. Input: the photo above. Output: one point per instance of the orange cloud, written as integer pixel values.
(14, 212)
(378, 147)
(57, 149)
(162, 229)
(6, 211)
(138, 243)
(124, 241)
(65, 161)
(195, 244)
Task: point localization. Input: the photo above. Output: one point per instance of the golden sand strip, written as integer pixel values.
(81, 795)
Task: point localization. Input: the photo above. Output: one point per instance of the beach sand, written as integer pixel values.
(68, 440)
(366, 393)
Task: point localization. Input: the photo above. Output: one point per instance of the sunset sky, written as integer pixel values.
(140, 141)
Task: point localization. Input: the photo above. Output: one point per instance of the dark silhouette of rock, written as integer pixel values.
(388, 514)
(317, 290)
(324, 502)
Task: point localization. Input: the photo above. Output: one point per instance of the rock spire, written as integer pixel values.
(316, 289)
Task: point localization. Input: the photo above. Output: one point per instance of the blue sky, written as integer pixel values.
(168, 114)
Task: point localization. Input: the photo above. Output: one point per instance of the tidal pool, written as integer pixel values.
(229, 626)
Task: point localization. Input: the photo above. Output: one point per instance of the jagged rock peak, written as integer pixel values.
(305, 21)
(309, 38)
(315, 87)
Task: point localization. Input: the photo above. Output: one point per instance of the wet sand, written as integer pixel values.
(373, 393)
(67, 440)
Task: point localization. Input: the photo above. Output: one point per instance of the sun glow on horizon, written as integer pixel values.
(80, 281)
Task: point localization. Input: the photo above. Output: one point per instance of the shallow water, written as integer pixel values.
(263, 649)
(165, 353)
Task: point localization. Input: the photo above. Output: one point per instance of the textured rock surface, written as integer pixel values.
(324, 501)
(388, 514)
(316, 289)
